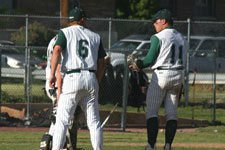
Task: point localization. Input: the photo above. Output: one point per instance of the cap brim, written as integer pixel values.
(155, 18)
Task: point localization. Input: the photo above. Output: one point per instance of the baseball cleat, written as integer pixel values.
(148, 147)
(167, 146)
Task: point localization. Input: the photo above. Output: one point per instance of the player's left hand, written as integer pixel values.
(132, 62)
(52, 81)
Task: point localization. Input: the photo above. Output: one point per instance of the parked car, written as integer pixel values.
(207, 53)
(15, 58)
(137, 43)
(201, 59)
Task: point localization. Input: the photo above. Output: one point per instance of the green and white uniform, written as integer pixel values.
(81, 50)
(47, 72)
(53, 97)
(48, 69)
(167, 57)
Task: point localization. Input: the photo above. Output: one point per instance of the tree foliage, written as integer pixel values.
(136, 9)
(5, 10)
(38, 35)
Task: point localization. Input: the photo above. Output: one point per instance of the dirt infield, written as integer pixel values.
(196, 145)
(45, 129)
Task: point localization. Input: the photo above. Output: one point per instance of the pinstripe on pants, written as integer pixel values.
(165, 86)
(78, 88)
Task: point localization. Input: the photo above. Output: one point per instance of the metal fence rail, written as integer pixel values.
(110, 30)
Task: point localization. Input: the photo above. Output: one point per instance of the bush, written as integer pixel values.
(38, 35)
(10, 99)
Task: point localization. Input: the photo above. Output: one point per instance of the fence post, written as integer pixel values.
(110, 33)
(125, 95)
(0, 80)
(26, 76)
(60, 14)
(214, 87)
(29, 73)
(187, 65)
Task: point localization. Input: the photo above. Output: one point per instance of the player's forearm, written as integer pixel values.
(100, 69)
(58, 80)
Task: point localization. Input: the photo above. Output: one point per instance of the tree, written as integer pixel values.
(136, 9)
(38, 35)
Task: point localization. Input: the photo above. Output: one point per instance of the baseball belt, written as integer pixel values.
(160, 68)
(78, 71)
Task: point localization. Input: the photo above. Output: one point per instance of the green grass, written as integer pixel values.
(120, 140)
(198, 112)
(15, 89)
(204, 93)
(15, 93)
(18, 89)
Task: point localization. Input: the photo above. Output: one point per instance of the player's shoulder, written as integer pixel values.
(90, 32)
(162, 34)
(167, 33)
(66, 29)
(54, 39)
(52, 42)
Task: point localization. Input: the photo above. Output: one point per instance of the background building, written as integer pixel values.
(94, 8)
(182, 9)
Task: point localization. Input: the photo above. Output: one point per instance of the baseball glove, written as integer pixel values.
(132, 62)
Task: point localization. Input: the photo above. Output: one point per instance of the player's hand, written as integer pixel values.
(52, 81)
(134, 67)
(132, 62)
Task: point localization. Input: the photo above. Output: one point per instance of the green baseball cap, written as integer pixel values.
(76, 14)
(163, 14)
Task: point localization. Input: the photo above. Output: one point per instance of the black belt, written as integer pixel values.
(160, 68)
(78, 71)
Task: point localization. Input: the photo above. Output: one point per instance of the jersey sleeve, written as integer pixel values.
(61, 41)
(101, 51)
(153, 52)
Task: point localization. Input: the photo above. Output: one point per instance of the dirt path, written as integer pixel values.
(195, 145)
(45, 129)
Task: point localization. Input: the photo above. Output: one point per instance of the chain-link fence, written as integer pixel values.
(23, 78)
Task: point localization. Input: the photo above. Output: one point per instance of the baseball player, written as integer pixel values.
(83, 65)
(53, 94)
(167, 57)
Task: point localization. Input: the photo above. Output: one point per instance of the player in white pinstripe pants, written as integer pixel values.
(54, 96)
(167, 57)
(83, 65)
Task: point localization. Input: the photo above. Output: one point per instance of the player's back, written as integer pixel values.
(172, 49)
(82, 48)
(49, 55)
